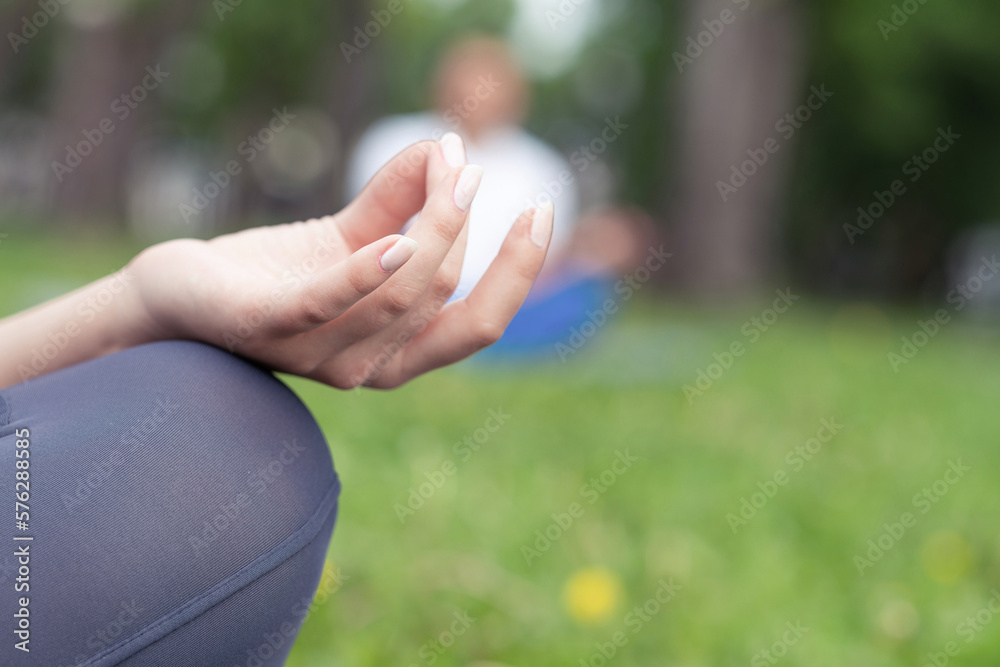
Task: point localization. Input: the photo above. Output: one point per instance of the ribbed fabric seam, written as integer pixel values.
(4, 412)
(193, 608)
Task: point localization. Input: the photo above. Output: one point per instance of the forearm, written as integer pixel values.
(103, 317)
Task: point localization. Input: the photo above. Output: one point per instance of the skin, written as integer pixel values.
(458, 86)
(308, 298)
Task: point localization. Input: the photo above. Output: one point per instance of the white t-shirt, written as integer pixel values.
(520, 172)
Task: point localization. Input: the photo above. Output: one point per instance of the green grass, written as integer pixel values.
(666, 516)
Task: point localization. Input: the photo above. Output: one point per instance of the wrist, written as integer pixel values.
(101, 318)
(126, 321)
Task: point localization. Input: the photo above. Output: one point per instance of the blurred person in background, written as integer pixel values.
(481, 93)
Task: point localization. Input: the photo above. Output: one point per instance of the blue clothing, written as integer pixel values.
(181, 502)
(549, 317)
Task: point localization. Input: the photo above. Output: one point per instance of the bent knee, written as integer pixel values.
(189, 469)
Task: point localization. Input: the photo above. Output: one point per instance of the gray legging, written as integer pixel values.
(180, 502)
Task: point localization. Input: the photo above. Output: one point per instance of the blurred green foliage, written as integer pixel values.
(896, 82)
(893, 90)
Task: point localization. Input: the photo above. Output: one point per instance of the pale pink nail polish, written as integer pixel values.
(398, 254)
(453, 149)
(541, 224)
(467, 186)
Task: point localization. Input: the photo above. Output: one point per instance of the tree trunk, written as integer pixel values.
(12, 17)
(732, 96)
(349, 92)
(96, 67)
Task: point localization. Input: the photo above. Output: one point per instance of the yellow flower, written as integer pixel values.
(947, 557)
(592, 595)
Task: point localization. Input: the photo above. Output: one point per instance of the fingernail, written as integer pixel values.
(467, 186)
(541, 224)
(454, 150)
(398, 254)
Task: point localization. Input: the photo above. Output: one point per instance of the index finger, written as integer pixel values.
(466, 326)
(399, 190)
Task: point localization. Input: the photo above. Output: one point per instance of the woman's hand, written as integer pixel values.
(346, 300)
